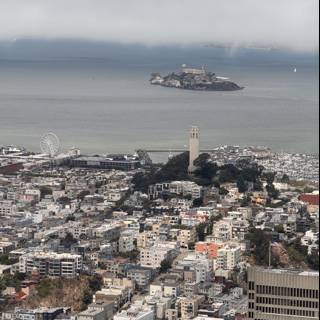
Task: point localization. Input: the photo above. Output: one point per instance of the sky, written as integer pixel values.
(288, 24)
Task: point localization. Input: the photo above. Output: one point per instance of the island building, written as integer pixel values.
(281, 294)
(194, 71)
(194, 144)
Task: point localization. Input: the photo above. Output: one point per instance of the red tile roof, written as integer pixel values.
(312, 199)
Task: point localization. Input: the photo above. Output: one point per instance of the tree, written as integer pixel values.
(45, 287)
(83, 194)
(201, 231)
(260, 241)
(245, 201)
(198, 202)
(11, 280)
(272, 191)
(223, 191)
(313, 261)
(64, 201)
(68, 240)
(86, 298)
(242, 185)
(279, 228)
(228, 173)
(206, 170)
(258, 185)
(166, 196)
(95, 283)
(285, 179)
(297, 253)
(70, 218)
(165, 265)
(175, 169)
(5, 259)
(45, 191)
(269, 177)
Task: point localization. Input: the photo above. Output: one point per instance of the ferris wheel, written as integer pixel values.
(50, 144)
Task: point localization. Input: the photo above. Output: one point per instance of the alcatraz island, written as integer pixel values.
(194, 79)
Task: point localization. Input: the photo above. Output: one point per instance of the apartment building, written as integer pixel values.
(153, 256)
(187, 236)
(279, 294)
(51, 264)
(126, 241)
(209, 248)
(190, 306)
(222, 231)
(141, 276)
(6, 247)
(34, 314)
(228, 257)
(7, 208)
(239, 229)
(97, 311)
(146, 239)
(136, 312)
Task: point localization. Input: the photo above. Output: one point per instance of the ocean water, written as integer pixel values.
(97, 97)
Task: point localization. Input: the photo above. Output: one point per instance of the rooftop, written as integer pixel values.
(290, 271)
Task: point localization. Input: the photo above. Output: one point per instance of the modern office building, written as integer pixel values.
(280, 294)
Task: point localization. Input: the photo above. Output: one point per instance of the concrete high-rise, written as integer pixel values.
(280, 294)
(194, 144)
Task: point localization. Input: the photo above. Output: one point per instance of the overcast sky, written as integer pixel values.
(289, 24)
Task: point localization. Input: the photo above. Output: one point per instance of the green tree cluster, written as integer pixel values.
(6, 260)
(165, 265)
(260, 241)
(45, 287)
(9, 280)
(68, 241)
(208, 173)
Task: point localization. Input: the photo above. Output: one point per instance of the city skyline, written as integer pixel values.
(159, 160)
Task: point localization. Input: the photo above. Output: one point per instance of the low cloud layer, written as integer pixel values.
(291, 24)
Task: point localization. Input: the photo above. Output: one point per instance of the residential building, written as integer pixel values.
(51, 264)
(187, 236)
(136, 312)
(6, 247)
(7, 208)
(97, 311)
(190, 306)
(153, 256)
(222, 231)
(126, 241)
(228, 257)
(209, 248)
(141, 276)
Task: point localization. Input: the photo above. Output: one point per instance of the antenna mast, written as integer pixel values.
(270, 254)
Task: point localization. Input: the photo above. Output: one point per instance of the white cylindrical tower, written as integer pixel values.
(194, 144)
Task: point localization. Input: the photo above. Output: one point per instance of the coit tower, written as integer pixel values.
(194, 144)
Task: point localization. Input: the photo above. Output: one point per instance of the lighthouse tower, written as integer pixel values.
(194, 143)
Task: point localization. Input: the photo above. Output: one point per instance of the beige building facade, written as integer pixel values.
(279, 294)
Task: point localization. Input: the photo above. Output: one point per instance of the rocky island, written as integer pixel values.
(194, 79)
